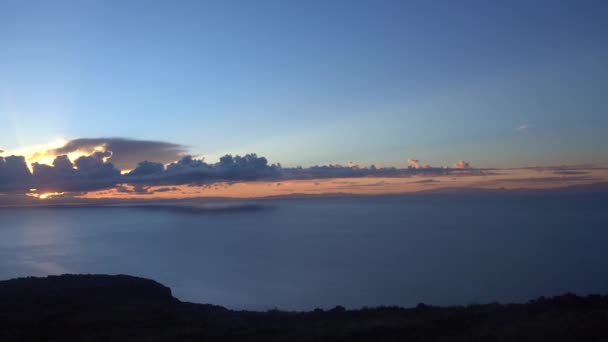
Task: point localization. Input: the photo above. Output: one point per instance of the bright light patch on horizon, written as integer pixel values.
(46, 195)
(40, 153)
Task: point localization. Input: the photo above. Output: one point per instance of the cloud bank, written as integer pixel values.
(195, 171)
(97, 171)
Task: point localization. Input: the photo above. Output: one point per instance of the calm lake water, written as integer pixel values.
(302, 254)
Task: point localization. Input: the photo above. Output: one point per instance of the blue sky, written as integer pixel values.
(313, 82)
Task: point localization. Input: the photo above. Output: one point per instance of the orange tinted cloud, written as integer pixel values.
(505, 179)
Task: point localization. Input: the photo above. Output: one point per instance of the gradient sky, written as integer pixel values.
(498, 83)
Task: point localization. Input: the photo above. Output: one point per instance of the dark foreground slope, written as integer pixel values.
(124, 308)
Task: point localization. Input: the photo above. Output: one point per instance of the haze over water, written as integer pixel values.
(307, 253)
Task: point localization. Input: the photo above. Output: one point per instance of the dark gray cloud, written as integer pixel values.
(339, 171)
(14, 174)
(147, 168)
(165, 189)
(194, 171)
(87, 173)
(142, 189)
(96, 172)
(126, 153)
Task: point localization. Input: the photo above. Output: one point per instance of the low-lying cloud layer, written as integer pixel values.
(95, 172)
(195, 171)
(101, 168)
(126, 168)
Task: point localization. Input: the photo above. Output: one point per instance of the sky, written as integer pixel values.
(500, 84)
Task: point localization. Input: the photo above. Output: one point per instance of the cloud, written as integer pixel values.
(134, 189)
(147, 168)
(14, 174)
(96, 171)
(353, 165)
(126, 153)
(414, 162)
(462, 165)
(339, 171)
(87, 173)
(141, 189)
(195, 171)
(165, 189)
(524, 127)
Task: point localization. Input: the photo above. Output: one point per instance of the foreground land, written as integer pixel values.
(125, 308)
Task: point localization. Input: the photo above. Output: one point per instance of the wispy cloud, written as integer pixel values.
(524, 127)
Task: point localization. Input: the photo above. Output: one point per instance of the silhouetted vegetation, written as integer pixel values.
(124, 308)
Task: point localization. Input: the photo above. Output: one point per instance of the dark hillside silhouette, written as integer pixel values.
(125, 308)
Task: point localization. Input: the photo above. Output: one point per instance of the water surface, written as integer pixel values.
(302, 254)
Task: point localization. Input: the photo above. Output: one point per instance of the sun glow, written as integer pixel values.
(46, 195)
(51, 195)
(43, 154)
(38, 153)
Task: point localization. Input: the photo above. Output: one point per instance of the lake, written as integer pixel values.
(306, 253)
